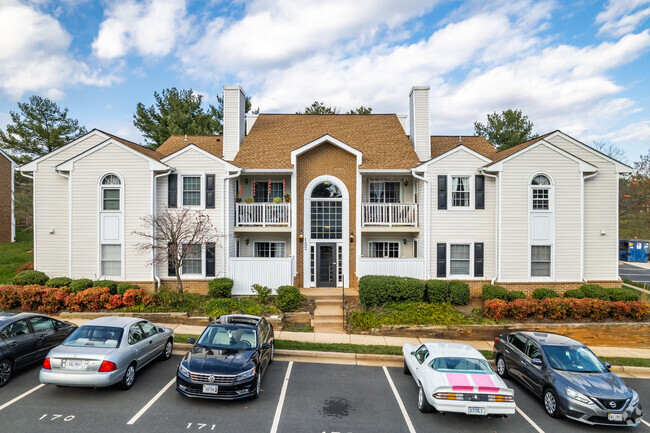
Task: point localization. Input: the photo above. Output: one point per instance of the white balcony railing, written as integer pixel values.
(269, 272)
(390, 214)
(413, 268)
(263, 214)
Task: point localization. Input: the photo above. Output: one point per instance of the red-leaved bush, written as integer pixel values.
(495, 309)
(136, 296)
(522, 309)
(54, 300)
(8, 298)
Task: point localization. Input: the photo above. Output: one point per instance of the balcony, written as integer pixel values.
(263, 214)
(390, 214)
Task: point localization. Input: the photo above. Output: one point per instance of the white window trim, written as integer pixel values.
(201, 194)
(202, 274)
(100, 206)
(551, 211)
(101, 262)
(270, 242)
(450, 193)
(103, 187)
(399, 249)
(551, 277)
(551, 193)
(401, 190)
(471, 261)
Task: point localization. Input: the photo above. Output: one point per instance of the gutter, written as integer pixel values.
(226, 211)
(153, 208)
(497, 234)
(427, 252)
(582, 225)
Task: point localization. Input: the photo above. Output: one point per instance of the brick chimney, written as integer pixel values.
(419, 121)
(234, 102)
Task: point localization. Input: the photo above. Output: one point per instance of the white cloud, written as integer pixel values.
(623, 16)
(150, 29)
(34, 54)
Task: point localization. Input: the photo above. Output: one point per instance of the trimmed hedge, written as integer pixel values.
(458, 292)
(489, 291)
(437, 291)
(565, 308)
(59, 282)
(543, 293)
(220, 306)
(288, 298)
(110, 284)
(594, 291)
(380, 290)
(80, 284)
(27, 278)
(123, 287)
(516, 294)
(574, 293)
(220, 288)
(407, 313)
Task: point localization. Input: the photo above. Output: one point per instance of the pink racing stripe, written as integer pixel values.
(490, 389)
(484, 383)
(458, 380)
(462, 388)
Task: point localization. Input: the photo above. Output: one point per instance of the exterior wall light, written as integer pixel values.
(301, 237)
(248, 241)
(351, 237)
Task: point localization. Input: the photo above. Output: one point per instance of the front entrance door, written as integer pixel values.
(325, 265)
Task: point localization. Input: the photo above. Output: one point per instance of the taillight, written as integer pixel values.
(496, 339)
(46, 364)
(107, 366)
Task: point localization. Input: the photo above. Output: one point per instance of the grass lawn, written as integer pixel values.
(14, 254)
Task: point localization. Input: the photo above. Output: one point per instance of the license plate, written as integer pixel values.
(476, 410)
(74, 364)
(210, 389)
(615, 417)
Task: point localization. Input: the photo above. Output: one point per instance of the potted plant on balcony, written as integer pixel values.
(249, 199)
(287, 198)
(238, 199)
(277, 200)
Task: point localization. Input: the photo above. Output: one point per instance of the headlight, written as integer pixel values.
(245, 375)
(184, 371)
(635, 399)
(577, 396)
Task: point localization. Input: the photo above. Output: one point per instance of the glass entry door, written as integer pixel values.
(326, 265)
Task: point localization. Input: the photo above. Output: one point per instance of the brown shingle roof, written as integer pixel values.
(380, 137)
(135, 146)
(503, 154)
(444, 143)
(210, 143)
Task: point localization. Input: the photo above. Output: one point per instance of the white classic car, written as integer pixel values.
(454, 377)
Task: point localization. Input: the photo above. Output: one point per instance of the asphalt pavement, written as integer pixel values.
(296, 397)
(639, 273)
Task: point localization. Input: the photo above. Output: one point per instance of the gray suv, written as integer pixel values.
(568, 377)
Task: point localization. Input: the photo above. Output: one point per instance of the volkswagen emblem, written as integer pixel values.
(612, 404)
(211, 379)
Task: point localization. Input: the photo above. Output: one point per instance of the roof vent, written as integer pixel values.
(185, 137)
(460, 139)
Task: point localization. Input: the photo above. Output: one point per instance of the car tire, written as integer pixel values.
(129, 377)
(258, 385)
(502, 369)
(406, 369)
(6, 370)
(423, 404)
(272, 352)
(167, 350)
(550, 401)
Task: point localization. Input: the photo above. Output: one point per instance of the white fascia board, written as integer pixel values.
(584, 165)
(425, 165)
(267, 170)
(69, 164)
(387, 171)
(229, 166)
(620, 167)
(31, 166)
(325, 139)
(13, 163)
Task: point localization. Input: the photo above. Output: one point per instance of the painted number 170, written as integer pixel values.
(54, 417)
(200, 426)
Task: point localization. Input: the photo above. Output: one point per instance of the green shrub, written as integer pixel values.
(220, 306)
(380, 289)
(167, 298)
(263, 292)
(458, 292)
(543, 293)
(407, 313)
(80, 284)
(594, 291)
(28, 278)
(364, 320)
(490, 291)
(59, 282)
(288, 298)
(220, 288)
(623, 294)
(437, 291)
(574, 293)
(123, 287)
(112, 285)
(516, 294)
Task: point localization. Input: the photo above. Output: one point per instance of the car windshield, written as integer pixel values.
(228, 337)
(574, 359)
(95, 336)
(461, 365)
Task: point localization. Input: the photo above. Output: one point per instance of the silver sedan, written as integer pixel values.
(105, 352)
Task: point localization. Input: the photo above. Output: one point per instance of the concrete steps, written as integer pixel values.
(328, 315)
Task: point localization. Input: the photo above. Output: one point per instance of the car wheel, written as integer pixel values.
(129, 377)
(6, 369)
(272, 352)
(406, 369)
(502, 370)
(167, 351)
(258, 385)
(423, 404)
(551, 403)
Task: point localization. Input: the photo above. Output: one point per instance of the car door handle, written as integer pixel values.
(523, 361)
(150, 341)
(507, 351)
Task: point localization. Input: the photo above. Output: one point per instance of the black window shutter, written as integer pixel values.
(172, 190)
(209, 260)
(209, 191)
(171, 270)
(442, 260)
(478, 259)
(442, 192)
(480, 192)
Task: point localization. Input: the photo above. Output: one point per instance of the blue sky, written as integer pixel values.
(581, 67)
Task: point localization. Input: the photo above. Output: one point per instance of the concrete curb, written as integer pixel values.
(171, 317)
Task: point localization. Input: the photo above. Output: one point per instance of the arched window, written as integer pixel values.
(111, 187)
(541, 186)
(326, 190)
(326, 212)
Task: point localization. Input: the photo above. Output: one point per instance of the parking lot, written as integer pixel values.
(296, 397)
(639, 273)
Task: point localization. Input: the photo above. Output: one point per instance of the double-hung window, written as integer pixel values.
(111, 186)
(193, 261)
(460, 191)
(540, 261)
(541, 187)
(383, 249)
(111, 260)
(191, 190)
(384, 192)
(459, 258)
(269, 249)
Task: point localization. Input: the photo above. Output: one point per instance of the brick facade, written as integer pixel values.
(189, 286)
(5, 199)
(529, 287)
(326, 159)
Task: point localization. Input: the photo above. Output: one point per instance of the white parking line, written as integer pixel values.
(530, 421)
(283, 393)
(645, 422)
(409, 424)
(25, 394)
(151, 402)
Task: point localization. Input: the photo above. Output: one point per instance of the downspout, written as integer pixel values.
(153, 211)
(497, 233)
(226, 210)
(67, 177)
(427, 252)
(582, 225)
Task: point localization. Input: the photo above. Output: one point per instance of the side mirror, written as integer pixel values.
(607, 365)
(413, 353)
(266, 346)
(161, 330)
(536, 361)
(191, 340)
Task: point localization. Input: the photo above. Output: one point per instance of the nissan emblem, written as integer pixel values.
(612, 404)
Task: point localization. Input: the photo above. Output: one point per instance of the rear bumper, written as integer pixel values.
(226, 392)
(463, 407)
(98, 380)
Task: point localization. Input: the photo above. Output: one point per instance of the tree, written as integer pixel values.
(172, 236)
(610, 149)
(40, 127)
(360, 110)
(634, 199)
(319, 108)
(247, 109)
(507, 129)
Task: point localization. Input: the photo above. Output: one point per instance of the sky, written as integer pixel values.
(581, 67)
